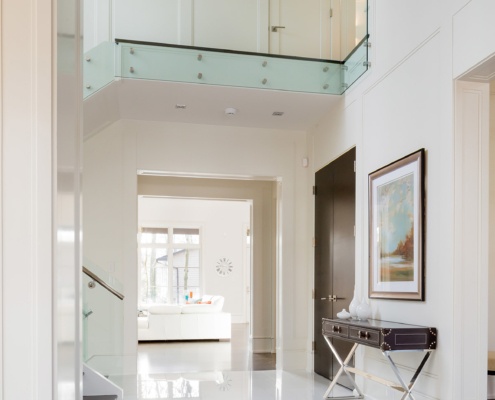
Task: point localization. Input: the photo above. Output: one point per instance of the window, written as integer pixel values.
(169, 264)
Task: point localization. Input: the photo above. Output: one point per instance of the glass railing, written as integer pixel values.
(227, 68)
(347, 46)
(355, 65)
(98, 68)
(162, 62)
(103, 319)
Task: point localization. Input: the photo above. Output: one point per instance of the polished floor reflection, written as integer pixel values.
(215, 371)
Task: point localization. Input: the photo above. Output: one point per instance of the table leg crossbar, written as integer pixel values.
(348, 370)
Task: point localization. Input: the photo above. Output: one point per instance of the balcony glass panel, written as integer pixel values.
(98, 67)
(208, 66)
(355, 65)
(279, 61)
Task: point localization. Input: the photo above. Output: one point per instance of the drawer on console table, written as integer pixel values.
(331, 328)
(369, 337)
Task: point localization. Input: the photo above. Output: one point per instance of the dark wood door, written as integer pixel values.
(335, 201)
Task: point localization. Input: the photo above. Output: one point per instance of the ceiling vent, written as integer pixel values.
(278, 113)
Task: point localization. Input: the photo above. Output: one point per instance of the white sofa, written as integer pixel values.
(186, 321)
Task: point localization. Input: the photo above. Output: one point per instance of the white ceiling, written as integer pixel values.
(205, 104)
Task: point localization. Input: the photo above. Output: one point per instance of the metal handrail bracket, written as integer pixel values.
(102, 283)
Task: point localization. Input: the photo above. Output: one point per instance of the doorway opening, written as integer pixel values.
(474, 156)
(192, 248)
(251, 302)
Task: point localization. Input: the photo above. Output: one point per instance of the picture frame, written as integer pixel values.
(396, 229)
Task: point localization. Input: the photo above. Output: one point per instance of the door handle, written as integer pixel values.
(276, 28)
(332, 297)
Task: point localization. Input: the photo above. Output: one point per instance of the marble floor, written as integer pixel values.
(215, 371)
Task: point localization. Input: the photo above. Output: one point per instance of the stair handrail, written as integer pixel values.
(96, 278)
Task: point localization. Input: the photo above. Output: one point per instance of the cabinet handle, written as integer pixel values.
(363, 335)
(336, 329)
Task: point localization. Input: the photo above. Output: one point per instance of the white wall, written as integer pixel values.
(223, 235)
(188, 148)
(403, 103)
(110, 223)
(97, 18)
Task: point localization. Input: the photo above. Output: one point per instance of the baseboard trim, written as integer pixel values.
(263, 345)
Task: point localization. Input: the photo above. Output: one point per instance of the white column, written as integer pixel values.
(38, 295)
(27, 126)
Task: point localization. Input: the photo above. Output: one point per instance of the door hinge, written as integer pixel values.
(314, 190)
(354, 230)
(313, 345)
(331, 13)
(354, 165)
(313, 294)
(314, 242)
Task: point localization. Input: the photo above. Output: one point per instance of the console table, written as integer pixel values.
(387, 336)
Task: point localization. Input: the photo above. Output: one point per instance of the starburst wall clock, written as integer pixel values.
(224, 267)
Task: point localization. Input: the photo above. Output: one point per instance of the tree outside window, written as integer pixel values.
(169, 264)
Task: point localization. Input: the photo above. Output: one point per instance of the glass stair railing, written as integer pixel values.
(129, 59)
(103, 320)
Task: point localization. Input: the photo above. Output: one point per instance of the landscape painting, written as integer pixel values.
(396, 203)
(396, 224)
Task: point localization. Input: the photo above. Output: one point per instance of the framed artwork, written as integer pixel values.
(396, 229)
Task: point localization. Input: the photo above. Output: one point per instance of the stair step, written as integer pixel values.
(101, 397)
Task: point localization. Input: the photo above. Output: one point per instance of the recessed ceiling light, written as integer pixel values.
(278, 113)
(180, 106)
(230, 111)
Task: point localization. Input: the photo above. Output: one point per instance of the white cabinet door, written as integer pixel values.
(224, 24)
(231, 24)
(151, 20)
(305, 31)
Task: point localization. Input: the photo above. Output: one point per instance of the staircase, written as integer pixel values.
(97, 387)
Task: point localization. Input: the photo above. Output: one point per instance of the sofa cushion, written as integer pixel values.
(143, 323)
(209, 304)
(199, 309)
(165, 309)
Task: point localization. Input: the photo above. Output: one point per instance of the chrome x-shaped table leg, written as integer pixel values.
(347, 369)
(407, 388)
(343, 365)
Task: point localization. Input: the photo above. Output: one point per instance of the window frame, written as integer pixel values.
(170, 246)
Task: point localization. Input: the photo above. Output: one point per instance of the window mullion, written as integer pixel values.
(170, 251)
